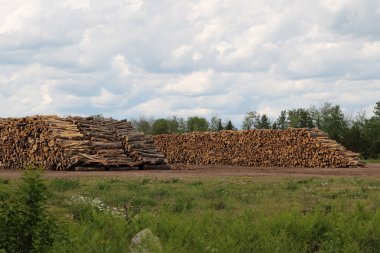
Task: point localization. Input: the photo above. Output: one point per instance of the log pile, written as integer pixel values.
(261, 148)
(73, 143)
(106, 138)
(46, 140)
(142, 149)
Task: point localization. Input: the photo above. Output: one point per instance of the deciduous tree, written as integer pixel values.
(197, 124)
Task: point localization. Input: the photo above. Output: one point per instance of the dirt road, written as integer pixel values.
(372, 170)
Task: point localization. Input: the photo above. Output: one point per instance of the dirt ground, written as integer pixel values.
(371, 170)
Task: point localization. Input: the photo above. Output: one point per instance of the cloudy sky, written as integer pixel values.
(126, 58)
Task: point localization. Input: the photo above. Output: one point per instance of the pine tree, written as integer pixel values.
(229, 126)
(377, 110)
(220, 126)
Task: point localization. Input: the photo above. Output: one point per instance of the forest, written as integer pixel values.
(358, 133)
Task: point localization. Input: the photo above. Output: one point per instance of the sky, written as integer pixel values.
(129, 58)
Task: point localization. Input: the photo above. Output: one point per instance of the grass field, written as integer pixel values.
(372, 161)
(225, 214)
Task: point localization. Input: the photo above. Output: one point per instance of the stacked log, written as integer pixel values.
(68, 143)
(106, 138)
(46, 140)
(142, 149)
(92, 143)
(261, 148)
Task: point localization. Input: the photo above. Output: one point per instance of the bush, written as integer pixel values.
(82, 212)
(26, 225)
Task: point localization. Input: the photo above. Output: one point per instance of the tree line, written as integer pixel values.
(176, 124)
(358, 133)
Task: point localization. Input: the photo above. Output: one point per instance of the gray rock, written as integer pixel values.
(145, 242)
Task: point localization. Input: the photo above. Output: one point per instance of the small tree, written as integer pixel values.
(332, 121)
(281, 122)
(173, 125)
(300, 118)
(215, 124)
(143, 124)
(377, 110)
(182, 125)
(263, 122)
(197, 124)
(371, 134)
(249, 120)
(25, 225)
(229, 126)
(220, 126)
(254, 120)
(160, 126)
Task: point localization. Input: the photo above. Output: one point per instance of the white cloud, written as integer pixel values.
(155, 106)
(197, 56)
(77, 4)
(15, 14)
(195, 83)
(225, 57)
(181, 51)
(120, 66)
(105, 99)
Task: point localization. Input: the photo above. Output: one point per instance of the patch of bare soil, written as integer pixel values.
(371, 170)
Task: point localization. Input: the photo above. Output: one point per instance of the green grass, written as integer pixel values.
(372, 161)
(263, 214)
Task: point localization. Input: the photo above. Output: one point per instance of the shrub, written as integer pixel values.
(82, 212)
(26, 225)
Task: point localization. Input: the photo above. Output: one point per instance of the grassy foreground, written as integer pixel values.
(263, 214)
(372, 161)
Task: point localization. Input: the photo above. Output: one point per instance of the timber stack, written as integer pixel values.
(262, 148)
(73, 143)
(141, 148)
